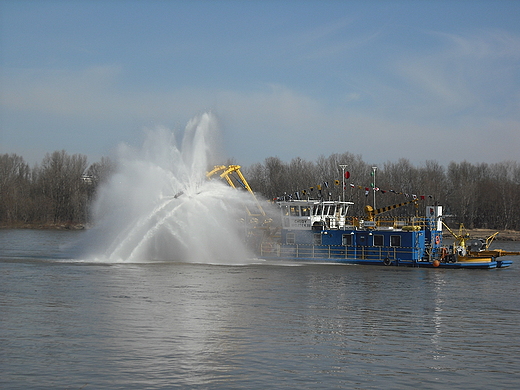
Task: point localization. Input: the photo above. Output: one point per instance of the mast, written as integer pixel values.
(343, 167)
(374, 185)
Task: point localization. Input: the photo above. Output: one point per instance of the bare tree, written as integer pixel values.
(14, 189)
(62, 188)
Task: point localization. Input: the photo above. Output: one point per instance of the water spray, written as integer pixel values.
(160, 207)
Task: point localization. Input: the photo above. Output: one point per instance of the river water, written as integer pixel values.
(70, 324)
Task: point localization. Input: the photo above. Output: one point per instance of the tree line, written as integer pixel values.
(477, 195)
(58, 191)
(61, 189)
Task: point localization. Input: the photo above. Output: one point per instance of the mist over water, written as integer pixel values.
(159, 205)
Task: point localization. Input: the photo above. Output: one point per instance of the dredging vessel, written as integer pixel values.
(320, 230)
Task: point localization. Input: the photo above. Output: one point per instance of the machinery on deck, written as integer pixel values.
(234, 177)
(371, 213)
(258, 225)
(470, 249)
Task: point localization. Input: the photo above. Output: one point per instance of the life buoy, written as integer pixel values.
(387, 261)
(437, 239)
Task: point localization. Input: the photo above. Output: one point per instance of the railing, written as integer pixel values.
(394, 222)
(337, 252)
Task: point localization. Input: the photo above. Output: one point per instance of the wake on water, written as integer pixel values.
(159, 205)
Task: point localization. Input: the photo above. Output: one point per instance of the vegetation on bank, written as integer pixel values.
(58, 192)
(54, 194)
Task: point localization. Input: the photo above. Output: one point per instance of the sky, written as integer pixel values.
(421, 80)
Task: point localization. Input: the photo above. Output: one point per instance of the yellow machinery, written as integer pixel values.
(259, 224)
(234, 176)
(371, 213)
(463, 236)
(469, 248)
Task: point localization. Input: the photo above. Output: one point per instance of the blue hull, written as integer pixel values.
(398, 263)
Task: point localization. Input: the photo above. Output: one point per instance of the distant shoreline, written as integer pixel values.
(503, 235)
(46, 226)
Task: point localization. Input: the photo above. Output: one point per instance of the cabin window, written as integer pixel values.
(306, 211)
(285, 210)
(295, 211)
(317, 210)
(317, 239)
(379, 240)
(395, 240)
(346, 239)
(289, 238)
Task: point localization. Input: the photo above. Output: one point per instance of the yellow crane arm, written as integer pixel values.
(216, 169)
(451, 231)
(372, 213)
(490, 239)
(227, 172)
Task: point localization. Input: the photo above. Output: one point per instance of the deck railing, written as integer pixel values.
(393, 222)
(338, 252)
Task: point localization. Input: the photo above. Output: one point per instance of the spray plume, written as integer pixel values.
(159, 205)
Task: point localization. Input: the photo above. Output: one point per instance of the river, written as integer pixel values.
(66, 323)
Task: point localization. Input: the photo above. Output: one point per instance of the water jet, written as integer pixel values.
(160, 207)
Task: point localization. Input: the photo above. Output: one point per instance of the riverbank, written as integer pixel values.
(45, 226)
(503, 235)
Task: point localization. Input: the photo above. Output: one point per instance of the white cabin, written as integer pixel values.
(314, 214)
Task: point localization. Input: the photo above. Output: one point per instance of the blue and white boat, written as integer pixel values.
(322, 231)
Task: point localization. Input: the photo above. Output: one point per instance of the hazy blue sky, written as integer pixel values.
(424, 80)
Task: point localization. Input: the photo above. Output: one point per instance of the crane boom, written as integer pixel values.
(372, 213)
(234, 176)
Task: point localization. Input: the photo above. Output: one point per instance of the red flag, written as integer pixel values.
(347, 175)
